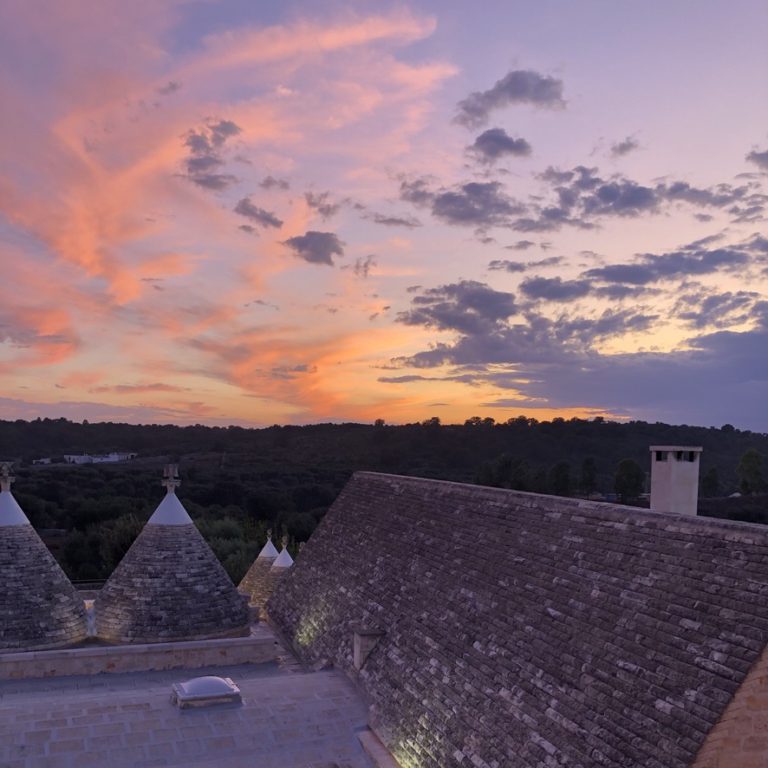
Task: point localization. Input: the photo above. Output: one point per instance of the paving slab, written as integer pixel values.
(288, 719)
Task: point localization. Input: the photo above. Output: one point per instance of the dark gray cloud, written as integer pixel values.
(619, 198)
(316, 247)
(719, 196)
(555, 362)
(467, 306)
(634, 274)
(248, 228)
(322, 203)
(258, 215)
(550, 261)
(487, 336)
(213, 181)
(222, 130)
(520, 266)
(621, 148)
(522, 86)
(757, 243)
(722, 379)
(416, 191)
(205, 158)
(619, 292)
(480, 204)
(496, 143)
(760, 159)
(291, 372)
(507, 266)
(554, 288)
(651, 268)
(581, 197)
(539, 341)
(520, 245)
(705, 309)
(270, 182)
(395, 221)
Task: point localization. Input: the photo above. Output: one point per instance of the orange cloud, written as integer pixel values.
(36, 336)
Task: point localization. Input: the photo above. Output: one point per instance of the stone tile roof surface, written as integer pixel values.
(525, 630)
(258, 581)
(287, 720)
(39, 607)
(169, 586)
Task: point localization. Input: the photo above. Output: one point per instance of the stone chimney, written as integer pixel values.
(675, 478)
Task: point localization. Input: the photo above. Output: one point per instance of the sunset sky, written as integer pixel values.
(245, 212)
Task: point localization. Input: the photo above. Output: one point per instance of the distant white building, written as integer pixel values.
(675, 478)
(78, 458)
(105, 458)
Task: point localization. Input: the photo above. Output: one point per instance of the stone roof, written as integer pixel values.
(256, 583)
(522, 630)
(39, 607)
(169, 586)
(265, 572)
(284, 559)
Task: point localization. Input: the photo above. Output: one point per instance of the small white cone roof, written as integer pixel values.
(284, 560)
(10, 511)
(170, 511)
(268, 550)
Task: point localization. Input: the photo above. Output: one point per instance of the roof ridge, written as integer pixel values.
(622, 513)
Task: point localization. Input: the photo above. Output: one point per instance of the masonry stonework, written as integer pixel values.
(521, 630)
(169, 586)
(39, 607)
(740, 737)
(257, 582)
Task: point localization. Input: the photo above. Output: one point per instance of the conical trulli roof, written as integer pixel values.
(169, 586)
(39, 607)
(256, 583)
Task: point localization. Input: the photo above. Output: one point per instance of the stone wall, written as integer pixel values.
(740, 738)
(521, 630)
(169, 586)
(39, 607)
(93, 660)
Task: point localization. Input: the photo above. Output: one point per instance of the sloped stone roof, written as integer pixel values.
(256, 583)
(39, 607)
(523, 630)
(169, 586)
(264, 574)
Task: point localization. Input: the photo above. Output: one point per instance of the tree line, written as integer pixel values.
(237, 483)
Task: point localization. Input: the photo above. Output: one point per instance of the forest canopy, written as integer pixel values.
(237, 483)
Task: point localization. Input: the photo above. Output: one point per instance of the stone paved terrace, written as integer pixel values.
(289, 719)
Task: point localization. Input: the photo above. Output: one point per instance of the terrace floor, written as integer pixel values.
(289, 719)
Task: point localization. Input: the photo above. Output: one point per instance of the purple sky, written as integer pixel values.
(239, 212)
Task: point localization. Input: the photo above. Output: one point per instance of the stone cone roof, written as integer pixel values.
(169, 586)
(257, 584)
(39, 607)
(283, 560)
